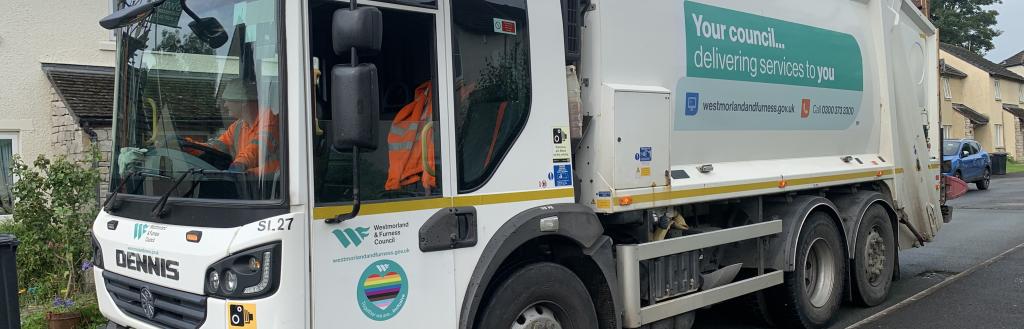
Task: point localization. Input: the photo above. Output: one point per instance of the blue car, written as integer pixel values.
(966, 160)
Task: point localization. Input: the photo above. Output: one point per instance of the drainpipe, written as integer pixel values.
(95, 162)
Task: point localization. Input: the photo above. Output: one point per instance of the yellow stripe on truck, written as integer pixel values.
(699, 192)
(321, 213)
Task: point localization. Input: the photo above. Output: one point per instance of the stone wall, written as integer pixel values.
(69, 138)
(968, 129)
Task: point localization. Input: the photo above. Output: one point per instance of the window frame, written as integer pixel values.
(436, 61)
(15, 150)
(1020, 92)
(1000, 141)
(945, 131)
(998, 88)
(499, 158)
(945, 89)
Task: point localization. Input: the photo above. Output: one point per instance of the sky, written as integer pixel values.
(1011, 22)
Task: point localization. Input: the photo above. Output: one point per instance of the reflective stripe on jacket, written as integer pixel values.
(411, 143)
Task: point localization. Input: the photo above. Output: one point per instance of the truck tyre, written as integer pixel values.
(985, 180)
(541, 295)
(810, 295)
(875, 259)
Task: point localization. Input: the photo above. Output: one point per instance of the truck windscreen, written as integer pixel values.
(198, 90)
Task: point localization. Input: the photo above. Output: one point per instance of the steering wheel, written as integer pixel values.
(179, 160)
(217, 158)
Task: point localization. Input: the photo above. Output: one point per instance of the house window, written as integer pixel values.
(999, 136)
(999, 93)
(945, 88)
(945, 131)
(8, 148)
(1020, 92)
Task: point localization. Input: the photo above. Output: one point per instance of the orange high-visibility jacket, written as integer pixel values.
(254, 145)
(411, 143)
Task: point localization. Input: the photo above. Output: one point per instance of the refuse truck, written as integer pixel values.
(514, 163)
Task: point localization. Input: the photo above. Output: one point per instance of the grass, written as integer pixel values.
(1014, 167)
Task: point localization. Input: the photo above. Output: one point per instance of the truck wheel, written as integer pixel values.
(985, 180)
(810, 295)
(541, 295)
(875, 257)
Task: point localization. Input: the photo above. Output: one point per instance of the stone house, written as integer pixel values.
(983, 102)
(51, 54)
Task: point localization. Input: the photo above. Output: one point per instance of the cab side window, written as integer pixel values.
(406, 163)
(492, 84)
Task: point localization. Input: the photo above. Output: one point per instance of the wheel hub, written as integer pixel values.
(819, 272)
(536, 317)
(874, 256)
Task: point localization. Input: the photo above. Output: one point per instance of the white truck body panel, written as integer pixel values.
(843, 91)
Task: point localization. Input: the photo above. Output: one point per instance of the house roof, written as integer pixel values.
(1014, 109)
(975, 116)
(950, 71)
(87, 91)
(1014, 60)
(972, 58)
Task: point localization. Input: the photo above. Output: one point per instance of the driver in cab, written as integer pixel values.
(252, 139)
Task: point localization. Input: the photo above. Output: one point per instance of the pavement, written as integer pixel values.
(971, 276)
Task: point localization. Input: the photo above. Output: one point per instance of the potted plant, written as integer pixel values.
(63, 314)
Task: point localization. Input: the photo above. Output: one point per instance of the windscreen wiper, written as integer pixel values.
(111, 204)
(108, 205)
(159, 210)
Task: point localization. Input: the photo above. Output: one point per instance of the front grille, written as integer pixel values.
(172, 308)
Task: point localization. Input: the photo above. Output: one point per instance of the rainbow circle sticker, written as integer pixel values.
(383, 290)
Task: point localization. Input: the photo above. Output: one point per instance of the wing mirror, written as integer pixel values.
(209, 30)
(355, 95)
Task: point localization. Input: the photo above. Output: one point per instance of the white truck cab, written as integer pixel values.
(513, 163)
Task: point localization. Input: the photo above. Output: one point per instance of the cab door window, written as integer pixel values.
(491, 55)
(406, 163)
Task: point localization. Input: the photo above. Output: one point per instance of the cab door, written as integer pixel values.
(370, 271)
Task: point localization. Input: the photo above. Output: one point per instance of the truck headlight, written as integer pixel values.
(247, 274)
(97, 252)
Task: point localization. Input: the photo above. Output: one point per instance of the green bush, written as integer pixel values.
(54, 208)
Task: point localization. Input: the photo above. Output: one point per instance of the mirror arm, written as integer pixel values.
(356, 202)
(188, 11)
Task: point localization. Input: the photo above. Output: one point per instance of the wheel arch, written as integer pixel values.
(582, 248)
